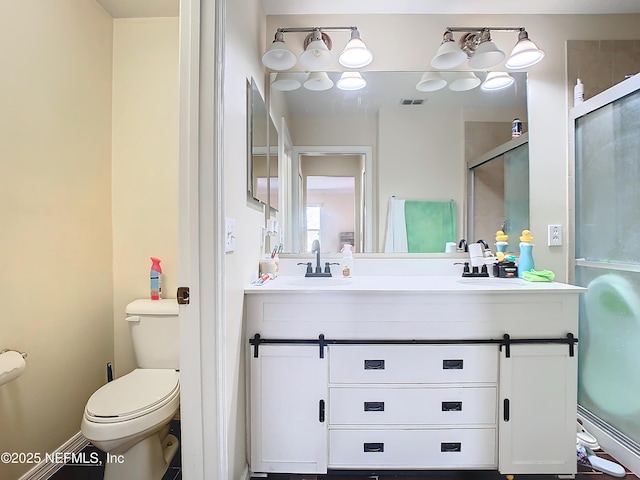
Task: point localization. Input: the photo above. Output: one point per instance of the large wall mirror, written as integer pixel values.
(355, 152)
(262, 148)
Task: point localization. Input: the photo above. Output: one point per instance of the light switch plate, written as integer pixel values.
(229, 235)
(554, 236)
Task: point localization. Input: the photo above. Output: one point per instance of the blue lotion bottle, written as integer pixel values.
(525, 262)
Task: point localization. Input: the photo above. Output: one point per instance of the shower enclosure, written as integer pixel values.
(607, 261)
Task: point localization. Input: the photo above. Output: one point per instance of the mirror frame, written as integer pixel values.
(269, 150)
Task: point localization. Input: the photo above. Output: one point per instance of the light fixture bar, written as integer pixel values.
(311, 29)
(480, 29)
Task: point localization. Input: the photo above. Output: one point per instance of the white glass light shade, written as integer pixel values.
(497, 81)
(318, 81)
(464, 81)
(279, 57)
(524, 54)
(449, 56)
(430, 82)
(351, 81)
(286, 82)
(487, 55)
(316, 55)
(355, 54)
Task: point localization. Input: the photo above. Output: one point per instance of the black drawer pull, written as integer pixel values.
(374, 406)
(452, 364)
(506, 413)
(374, 364)
(374, 447)
(321, 409)
(450, 447)
(451, 406)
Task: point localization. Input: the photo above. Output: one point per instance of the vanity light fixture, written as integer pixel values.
(476, 45)
(317, 50)
(351, 81)
(497, 81)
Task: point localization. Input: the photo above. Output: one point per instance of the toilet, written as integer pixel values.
(129, 417)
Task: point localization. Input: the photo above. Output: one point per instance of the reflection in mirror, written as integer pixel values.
(499, 193)
(418, 144)
(262, 161)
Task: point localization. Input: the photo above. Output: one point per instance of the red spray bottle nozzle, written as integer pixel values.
(155, 265)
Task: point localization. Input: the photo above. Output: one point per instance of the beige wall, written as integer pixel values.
(55, 207)
(409, 41)
(144, 166)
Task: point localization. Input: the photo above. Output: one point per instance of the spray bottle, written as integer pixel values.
(347, 260)
(156, 279)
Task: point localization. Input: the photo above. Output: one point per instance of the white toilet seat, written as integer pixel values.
(133, 395)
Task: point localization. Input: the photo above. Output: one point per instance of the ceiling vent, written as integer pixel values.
(409, 101)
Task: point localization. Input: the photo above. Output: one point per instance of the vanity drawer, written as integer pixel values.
(413, 363)
(412, 406)
(413, 449)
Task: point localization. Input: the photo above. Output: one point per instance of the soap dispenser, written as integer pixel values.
(347, 260)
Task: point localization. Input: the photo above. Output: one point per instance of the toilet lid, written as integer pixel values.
(133, 395)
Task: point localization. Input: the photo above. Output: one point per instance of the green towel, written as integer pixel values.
(430, 225)
(538, 276)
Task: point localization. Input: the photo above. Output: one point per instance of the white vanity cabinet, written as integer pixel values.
(288, 428)
(428, 377)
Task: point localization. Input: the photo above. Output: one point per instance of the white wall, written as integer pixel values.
(412, 166)
(407, 42)
(244, 42)
(144, 166)
(55, 207)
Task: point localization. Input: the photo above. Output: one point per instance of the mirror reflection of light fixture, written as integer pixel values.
(351, 81)
(497, 81)
(431, 82)
(477, 46)
(278, 56)
(463, 81)
(317, 50)
(525, 53)
(318, 81)
(286, 82)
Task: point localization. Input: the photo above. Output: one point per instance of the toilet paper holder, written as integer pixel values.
(24, 354)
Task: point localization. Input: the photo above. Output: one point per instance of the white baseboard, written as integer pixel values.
(45, 470)
(245, 475)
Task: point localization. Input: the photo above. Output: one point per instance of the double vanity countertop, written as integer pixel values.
(409, 284)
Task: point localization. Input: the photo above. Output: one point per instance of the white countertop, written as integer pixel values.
(409, 284)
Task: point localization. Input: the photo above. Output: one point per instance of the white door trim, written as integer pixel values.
(201, 244)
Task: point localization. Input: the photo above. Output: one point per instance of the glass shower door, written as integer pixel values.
(607, 233)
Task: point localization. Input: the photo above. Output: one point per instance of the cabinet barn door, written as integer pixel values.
(287, 412)
(537, 418)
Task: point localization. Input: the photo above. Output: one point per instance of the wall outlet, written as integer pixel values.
(554, 236)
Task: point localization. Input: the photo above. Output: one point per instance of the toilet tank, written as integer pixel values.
(154, 332)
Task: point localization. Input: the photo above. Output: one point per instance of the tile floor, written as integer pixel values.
(76, 472)
(84, 472)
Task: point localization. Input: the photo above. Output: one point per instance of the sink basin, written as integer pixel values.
(319, 282)
(492, 282)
